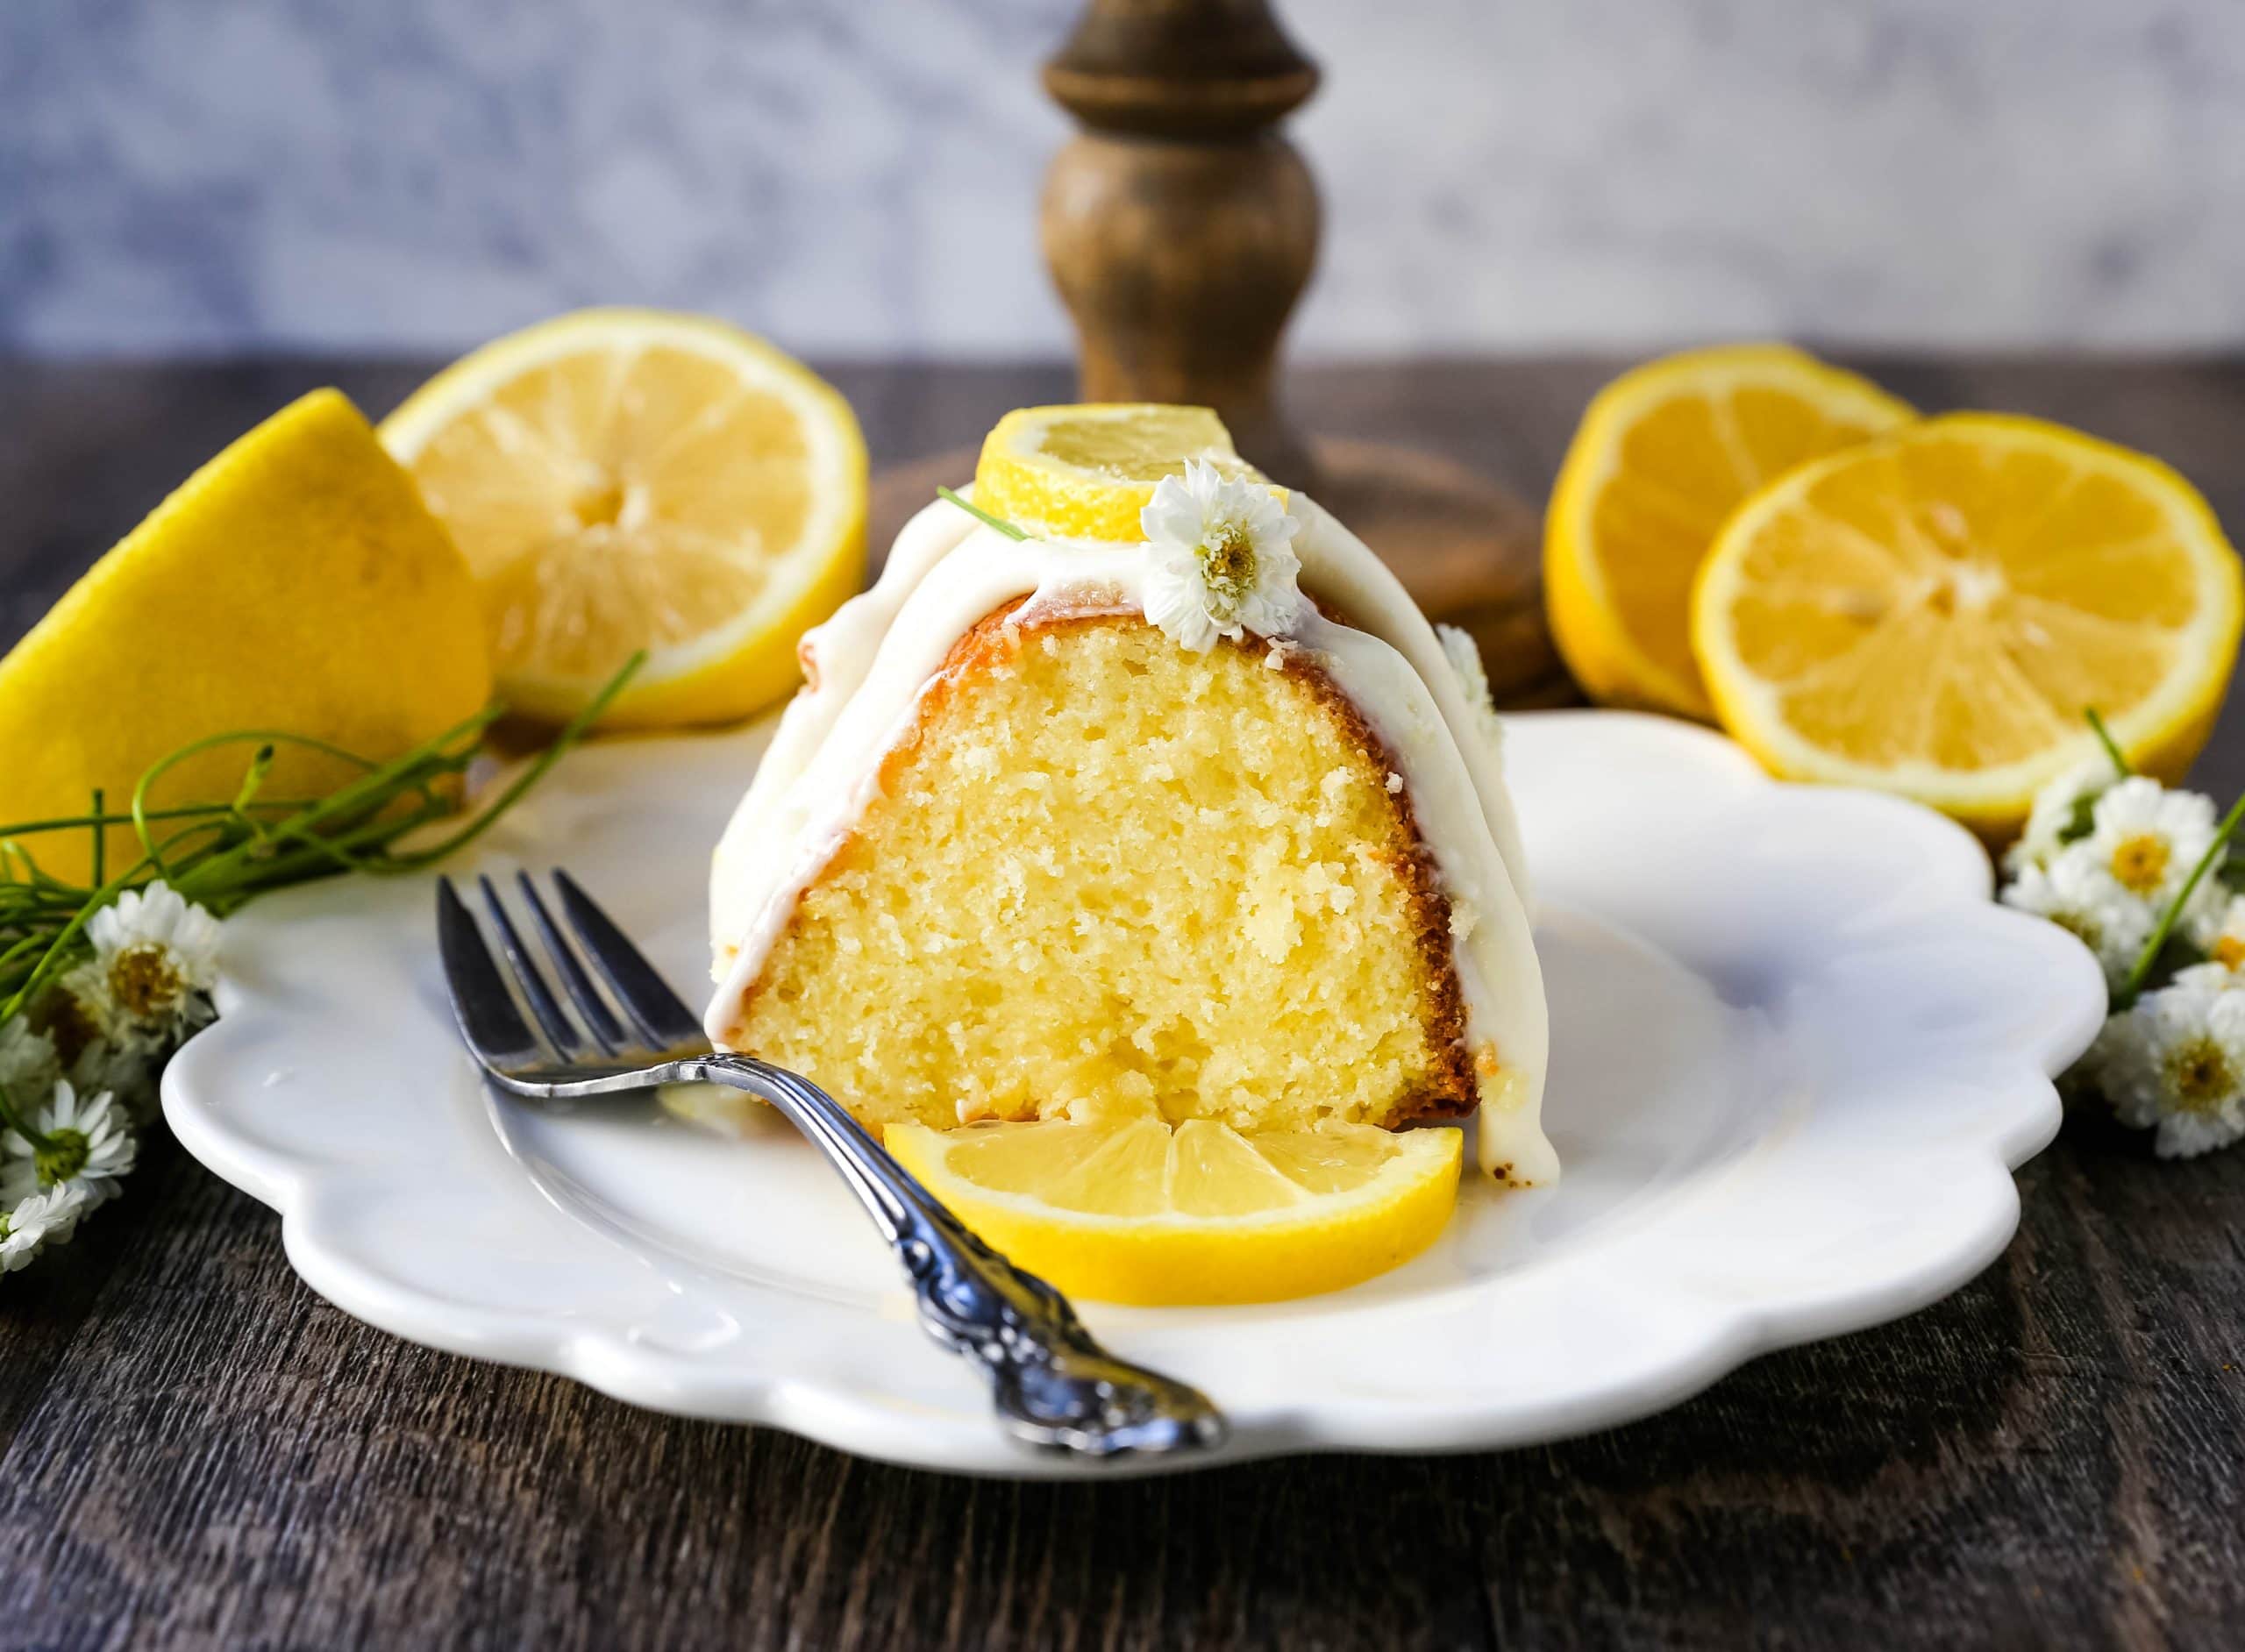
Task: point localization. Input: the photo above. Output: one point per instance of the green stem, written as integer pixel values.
(2165, 927)
(2105, 738)
(980, 515)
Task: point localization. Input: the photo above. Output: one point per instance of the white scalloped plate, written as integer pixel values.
(1795, 1053)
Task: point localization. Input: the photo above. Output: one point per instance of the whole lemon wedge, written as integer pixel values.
(1084, 471)
(294, 582)
(1662, 455)
(629, 480)
(1122, 1206)
(1932, 613)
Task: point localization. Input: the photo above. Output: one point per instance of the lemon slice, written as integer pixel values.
(1127, 1209)
(1932, 613)
(626, 478)
(1664, 454)
(1084, 472)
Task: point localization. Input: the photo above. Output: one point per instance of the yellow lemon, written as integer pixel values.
(294, 582)
(1664, 454)
(1084, 472)
(625, 479)
(1125, 1207)
(1933, 612)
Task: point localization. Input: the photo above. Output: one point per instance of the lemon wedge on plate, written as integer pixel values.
(628, 479)
(1932, 614)
(1663, 456)
(1086, 471)
(294, 582)
(1123, 1207)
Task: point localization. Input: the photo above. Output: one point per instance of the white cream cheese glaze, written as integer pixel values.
(868, 666)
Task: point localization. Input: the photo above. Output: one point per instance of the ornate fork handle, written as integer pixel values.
(1053, 1383)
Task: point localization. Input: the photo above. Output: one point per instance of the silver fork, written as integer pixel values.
(1053, 1385)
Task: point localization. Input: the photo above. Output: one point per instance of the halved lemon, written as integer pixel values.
(1664, 454)
(1128, 1208)
(1084, 472)
(628, 479)
(1932, 613)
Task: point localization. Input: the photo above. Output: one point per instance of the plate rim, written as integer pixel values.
(304, 1192)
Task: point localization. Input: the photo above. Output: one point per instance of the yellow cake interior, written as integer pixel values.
(1105, 869)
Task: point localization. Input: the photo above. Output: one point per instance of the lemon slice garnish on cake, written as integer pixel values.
(1122, 1207)
(1664, 454)
(1932, 613)
(1084, 471)
(621, 479)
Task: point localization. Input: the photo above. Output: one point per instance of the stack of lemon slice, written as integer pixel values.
(1926, 607)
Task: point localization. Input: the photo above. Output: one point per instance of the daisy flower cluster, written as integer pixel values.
(78, 1063)
(2143, 876)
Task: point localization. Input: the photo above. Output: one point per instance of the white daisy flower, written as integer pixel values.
(2061, 814)
(2184, 1072)
(39, 1219)
(85, 1143)
(1222, 560)
(2148, 839)
(2075, 892)
(155, 960)
(2219, 932)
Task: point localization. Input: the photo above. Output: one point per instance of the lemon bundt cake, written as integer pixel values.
(1211, 819)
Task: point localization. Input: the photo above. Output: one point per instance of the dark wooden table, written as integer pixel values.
(194, 1450)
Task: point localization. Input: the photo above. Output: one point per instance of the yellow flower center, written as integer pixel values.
(2200, 1076)
(2228, 951)
(145, 981)
(1227, 565)
(2139, 863)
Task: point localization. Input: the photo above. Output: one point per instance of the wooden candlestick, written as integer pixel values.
(1181, 227)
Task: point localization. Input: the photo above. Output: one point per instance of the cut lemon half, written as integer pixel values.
(1084, 472)
(1131, 1209)
(627, 479)
(1664, 454)
(1934, 612)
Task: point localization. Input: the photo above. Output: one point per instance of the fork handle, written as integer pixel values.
(1051, 1382)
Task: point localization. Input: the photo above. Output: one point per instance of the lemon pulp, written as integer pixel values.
(629, 480)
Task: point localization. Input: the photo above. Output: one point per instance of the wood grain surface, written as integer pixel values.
(196, 1450)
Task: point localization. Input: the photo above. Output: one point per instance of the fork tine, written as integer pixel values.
(543, 1004)
(493, 1027)
(600, 1021)
(638, 986)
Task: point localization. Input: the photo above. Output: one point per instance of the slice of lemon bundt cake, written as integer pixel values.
(1211, 819)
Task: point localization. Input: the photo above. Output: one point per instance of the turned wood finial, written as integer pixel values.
(1180, 227)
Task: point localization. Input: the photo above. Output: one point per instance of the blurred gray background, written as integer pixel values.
(859, 177)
